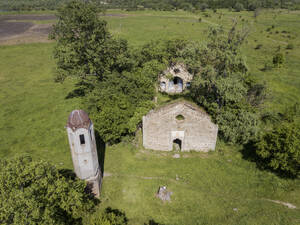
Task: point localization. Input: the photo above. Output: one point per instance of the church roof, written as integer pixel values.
(78, 119)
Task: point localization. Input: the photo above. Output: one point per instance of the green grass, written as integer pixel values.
(209, 188)
(34, 110)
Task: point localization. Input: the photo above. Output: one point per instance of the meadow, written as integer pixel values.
(222, 187)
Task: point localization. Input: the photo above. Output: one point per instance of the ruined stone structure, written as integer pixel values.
(175, 79)
(182, 124)
(84, 150)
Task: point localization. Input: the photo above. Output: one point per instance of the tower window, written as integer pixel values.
(82, 140)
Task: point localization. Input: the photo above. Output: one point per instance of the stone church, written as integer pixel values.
(180, 123)
(175, 79)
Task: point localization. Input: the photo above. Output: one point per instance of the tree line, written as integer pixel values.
(166, 5)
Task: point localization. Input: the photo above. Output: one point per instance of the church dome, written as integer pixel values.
(78, 119)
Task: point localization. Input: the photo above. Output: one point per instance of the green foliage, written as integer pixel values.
(223, 86)
(107, 217)
(238, 7)
(118, 103)
(280, 148)
(84, 47)
(36, 192)
(278, 59)
(290, 46)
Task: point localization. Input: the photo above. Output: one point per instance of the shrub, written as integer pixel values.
(203, 7)
(200, 19)
(280, 148)
(278, 59)
(290, 46)
(268, 66)
(258, 46)
(238, 7)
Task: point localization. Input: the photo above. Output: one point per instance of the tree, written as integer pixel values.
(36, 192)
(224, 87)
(84, 47)
(280, 148)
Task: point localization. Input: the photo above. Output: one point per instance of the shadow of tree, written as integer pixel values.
(152, 222)
(249, 153)
(68, 174)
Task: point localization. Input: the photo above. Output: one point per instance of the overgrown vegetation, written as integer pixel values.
(120, 82)
(279, 148)
(36, 192)
(35, 110)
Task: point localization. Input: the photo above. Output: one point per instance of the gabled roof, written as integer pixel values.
(192, 106)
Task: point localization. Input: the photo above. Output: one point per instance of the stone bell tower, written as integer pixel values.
(84, 150)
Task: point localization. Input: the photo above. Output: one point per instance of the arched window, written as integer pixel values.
(163, 86)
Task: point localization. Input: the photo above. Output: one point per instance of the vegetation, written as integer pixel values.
(278, 59)
(36, 192)
(165, 5)
(279, 147)
(224, 87)
(35, 110)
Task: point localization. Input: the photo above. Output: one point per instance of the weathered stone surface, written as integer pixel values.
(175, 79)
(84, 150)
(164, 194)
(180, 123)
(176, 156)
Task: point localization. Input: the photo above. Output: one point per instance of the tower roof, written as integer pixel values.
(78, 119)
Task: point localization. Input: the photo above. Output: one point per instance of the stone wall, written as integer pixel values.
(195, 131)
(178, 71)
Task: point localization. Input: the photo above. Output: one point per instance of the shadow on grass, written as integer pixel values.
(152, 222)
(79, 92)
(249, 153)
(101, 147)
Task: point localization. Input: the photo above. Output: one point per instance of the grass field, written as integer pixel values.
(216, 188)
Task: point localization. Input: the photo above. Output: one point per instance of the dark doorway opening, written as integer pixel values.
(177, 80)
(177, 144)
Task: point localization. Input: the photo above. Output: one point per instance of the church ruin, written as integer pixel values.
(181, 124)
(175, 79)
(84, 150)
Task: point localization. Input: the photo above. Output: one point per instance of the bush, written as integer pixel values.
(278, 59)
(108, 217)
(280, 148)
(238, 7)
(258, 46)
(200, 19)
(290, 46)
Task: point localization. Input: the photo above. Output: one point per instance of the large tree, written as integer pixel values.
(224, 87)
(84, 47)
(36, 192)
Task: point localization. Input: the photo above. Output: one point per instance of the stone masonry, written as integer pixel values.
(181, 123)
(175, 79)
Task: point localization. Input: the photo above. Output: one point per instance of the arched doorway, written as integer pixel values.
(178, 84)
(177, 143)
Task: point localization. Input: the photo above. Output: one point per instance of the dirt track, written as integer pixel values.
(16, 29)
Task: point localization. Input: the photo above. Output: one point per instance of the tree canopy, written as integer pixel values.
(36, 192)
